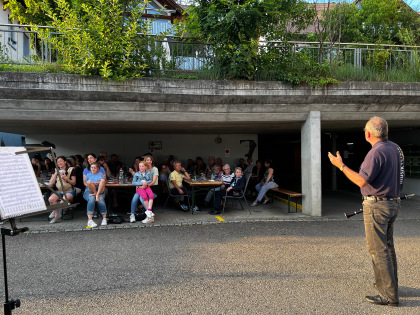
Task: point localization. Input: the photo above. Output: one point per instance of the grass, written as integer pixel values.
(46, 68)
(350, 73)
(342, 73)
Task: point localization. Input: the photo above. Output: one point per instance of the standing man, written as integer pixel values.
(380, 179)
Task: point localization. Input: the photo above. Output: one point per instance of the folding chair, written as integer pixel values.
(242, 196)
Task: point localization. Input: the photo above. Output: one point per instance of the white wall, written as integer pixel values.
(3, 13)
(128, 146)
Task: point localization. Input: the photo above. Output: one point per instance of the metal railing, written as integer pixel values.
(18, 45)
(21, 45)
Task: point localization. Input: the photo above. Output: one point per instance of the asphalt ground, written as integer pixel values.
(274, 263)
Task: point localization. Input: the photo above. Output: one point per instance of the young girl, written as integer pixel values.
(142, 179)
(95, 181)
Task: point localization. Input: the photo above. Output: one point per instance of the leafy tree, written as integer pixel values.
(98, 37)
(380, 21)
(234, 28)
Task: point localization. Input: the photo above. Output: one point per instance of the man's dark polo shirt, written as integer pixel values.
(383, 169)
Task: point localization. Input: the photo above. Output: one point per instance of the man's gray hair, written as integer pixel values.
(238, 168)
(378, 127)
(226, 165)
(177, 162)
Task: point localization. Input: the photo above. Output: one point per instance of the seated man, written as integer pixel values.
(115, 165)
(242, 164)
(175, 184)
(102, 163)
(250, 169)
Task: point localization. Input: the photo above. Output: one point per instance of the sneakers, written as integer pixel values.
(196, 209)
(254, 204)
(183, 207)
(52, 215)
(148, 220)
(266, 201)
(55, 220)
(132, 218)
(104, 221)
(91, 224)
(149, 214)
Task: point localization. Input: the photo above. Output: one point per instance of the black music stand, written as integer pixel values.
(10, 305)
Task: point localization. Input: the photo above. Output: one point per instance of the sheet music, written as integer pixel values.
(19, 190)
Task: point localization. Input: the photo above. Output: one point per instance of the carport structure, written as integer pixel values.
(62, 104)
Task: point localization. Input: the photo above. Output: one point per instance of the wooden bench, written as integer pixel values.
(290, 195)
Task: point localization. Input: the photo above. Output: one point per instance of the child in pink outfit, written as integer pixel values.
(142, 178)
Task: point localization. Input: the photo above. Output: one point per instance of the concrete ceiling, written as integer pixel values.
(131, 127)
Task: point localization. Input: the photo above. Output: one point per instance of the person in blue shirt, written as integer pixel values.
(380, 178)
(142, 179)
(94, 193)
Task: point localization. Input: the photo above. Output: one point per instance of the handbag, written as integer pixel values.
(116, 219)
(140, 216)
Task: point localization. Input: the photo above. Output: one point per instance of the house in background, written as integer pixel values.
(162, 14)
(15, 42)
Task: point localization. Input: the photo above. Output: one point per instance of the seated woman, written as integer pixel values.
(216, 175)
(154, 186)
(210, 166)
(49, 166)
(226, 177)
(163, 177)
(37, 165)
(200, 166)
(237, 186)
(66, 185)
(94, 193)
(266, 184)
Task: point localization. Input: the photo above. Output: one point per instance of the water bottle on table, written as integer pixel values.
(121, 177)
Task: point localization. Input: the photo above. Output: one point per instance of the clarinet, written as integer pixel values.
(350, 214)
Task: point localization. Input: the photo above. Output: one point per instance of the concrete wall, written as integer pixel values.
(46, 103)
(128, 146)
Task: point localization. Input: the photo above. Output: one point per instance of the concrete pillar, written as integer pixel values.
(311, 165)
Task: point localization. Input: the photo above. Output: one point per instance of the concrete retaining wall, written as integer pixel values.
(34, 98)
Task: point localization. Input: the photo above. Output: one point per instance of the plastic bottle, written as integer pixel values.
(121, 176)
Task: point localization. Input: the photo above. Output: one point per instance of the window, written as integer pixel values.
(26, 46)
(12, 35)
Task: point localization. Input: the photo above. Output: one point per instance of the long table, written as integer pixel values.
(112, 185)
(200, 185)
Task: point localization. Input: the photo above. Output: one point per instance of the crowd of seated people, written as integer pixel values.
(88, 174)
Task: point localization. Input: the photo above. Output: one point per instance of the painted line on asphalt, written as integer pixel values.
(219, 218)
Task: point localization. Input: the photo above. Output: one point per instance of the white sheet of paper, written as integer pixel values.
(19, 190)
